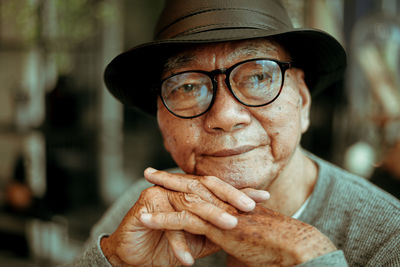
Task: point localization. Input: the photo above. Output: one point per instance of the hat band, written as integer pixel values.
(217, 19)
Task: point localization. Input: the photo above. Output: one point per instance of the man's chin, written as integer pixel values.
(238, 178)
(253, 169)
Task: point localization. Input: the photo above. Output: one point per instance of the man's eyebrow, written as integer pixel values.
(178, 61)
(252, 49)
(255, 50)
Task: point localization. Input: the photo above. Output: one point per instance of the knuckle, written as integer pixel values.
(162, 217)
(188, 219)
(192, 198)
(183, 216)
(151, 191)
(156, 196)
(193, 186)
(177, 200)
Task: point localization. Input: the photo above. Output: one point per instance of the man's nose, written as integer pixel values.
(227, 113)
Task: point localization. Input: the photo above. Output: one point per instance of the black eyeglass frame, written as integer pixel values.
(283, 65)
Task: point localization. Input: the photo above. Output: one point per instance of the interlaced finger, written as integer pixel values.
(182, 220)
(228, 193)
(185, 221)
(209, 188)
(182, 183)
(205, 210)
(177, 241)
(256, 195)
(176, 238)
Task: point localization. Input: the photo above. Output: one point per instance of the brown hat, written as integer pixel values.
(134, 76)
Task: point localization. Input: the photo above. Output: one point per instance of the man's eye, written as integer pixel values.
(186, 87)
(259, 77)
(254, 80)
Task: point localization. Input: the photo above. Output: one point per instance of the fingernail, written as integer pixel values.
(228, 220)
(247, 202)
(187, 258)
(264, 194)
(145, 217)
(150, 170)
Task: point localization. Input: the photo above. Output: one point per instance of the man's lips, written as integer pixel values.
(230, 151)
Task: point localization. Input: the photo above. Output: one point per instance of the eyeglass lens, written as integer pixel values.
(253, 83)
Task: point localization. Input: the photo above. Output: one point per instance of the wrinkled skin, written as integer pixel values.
(275, 162)
(136, 244)
(152, 247)
(186, 214)
(250, 242)
(262, 237)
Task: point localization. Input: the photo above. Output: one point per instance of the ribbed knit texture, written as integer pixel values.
(360, 219)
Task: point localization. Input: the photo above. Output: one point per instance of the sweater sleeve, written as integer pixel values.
(92, 256)
(334, 259)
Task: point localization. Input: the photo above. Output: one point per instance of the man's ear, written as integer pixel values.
(305, 100)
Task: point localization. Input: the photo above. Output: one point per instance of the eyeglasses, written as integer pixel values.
(254, 83)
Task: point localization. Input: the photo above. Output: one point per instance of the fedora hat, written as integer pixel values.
(134, 76)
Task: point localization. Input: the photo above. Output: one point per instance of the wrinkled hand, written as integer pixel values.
(200, 199)
(262, 237)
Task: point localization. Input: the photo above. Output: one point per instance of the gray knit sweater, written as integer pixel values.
(360, 219)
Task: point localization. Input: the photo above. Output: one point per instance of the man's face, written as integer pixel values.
(244, 146)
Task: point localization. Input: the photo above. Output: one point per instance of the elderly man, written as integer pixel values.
(230, 82)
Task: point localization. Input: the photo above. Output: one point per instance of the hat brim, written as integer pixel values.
(133, 76)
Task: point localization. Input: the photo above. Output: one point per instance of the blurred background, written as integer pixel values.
(68, 149)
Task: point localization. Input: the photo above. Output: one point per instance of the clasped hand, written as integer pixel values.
(185, 217)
